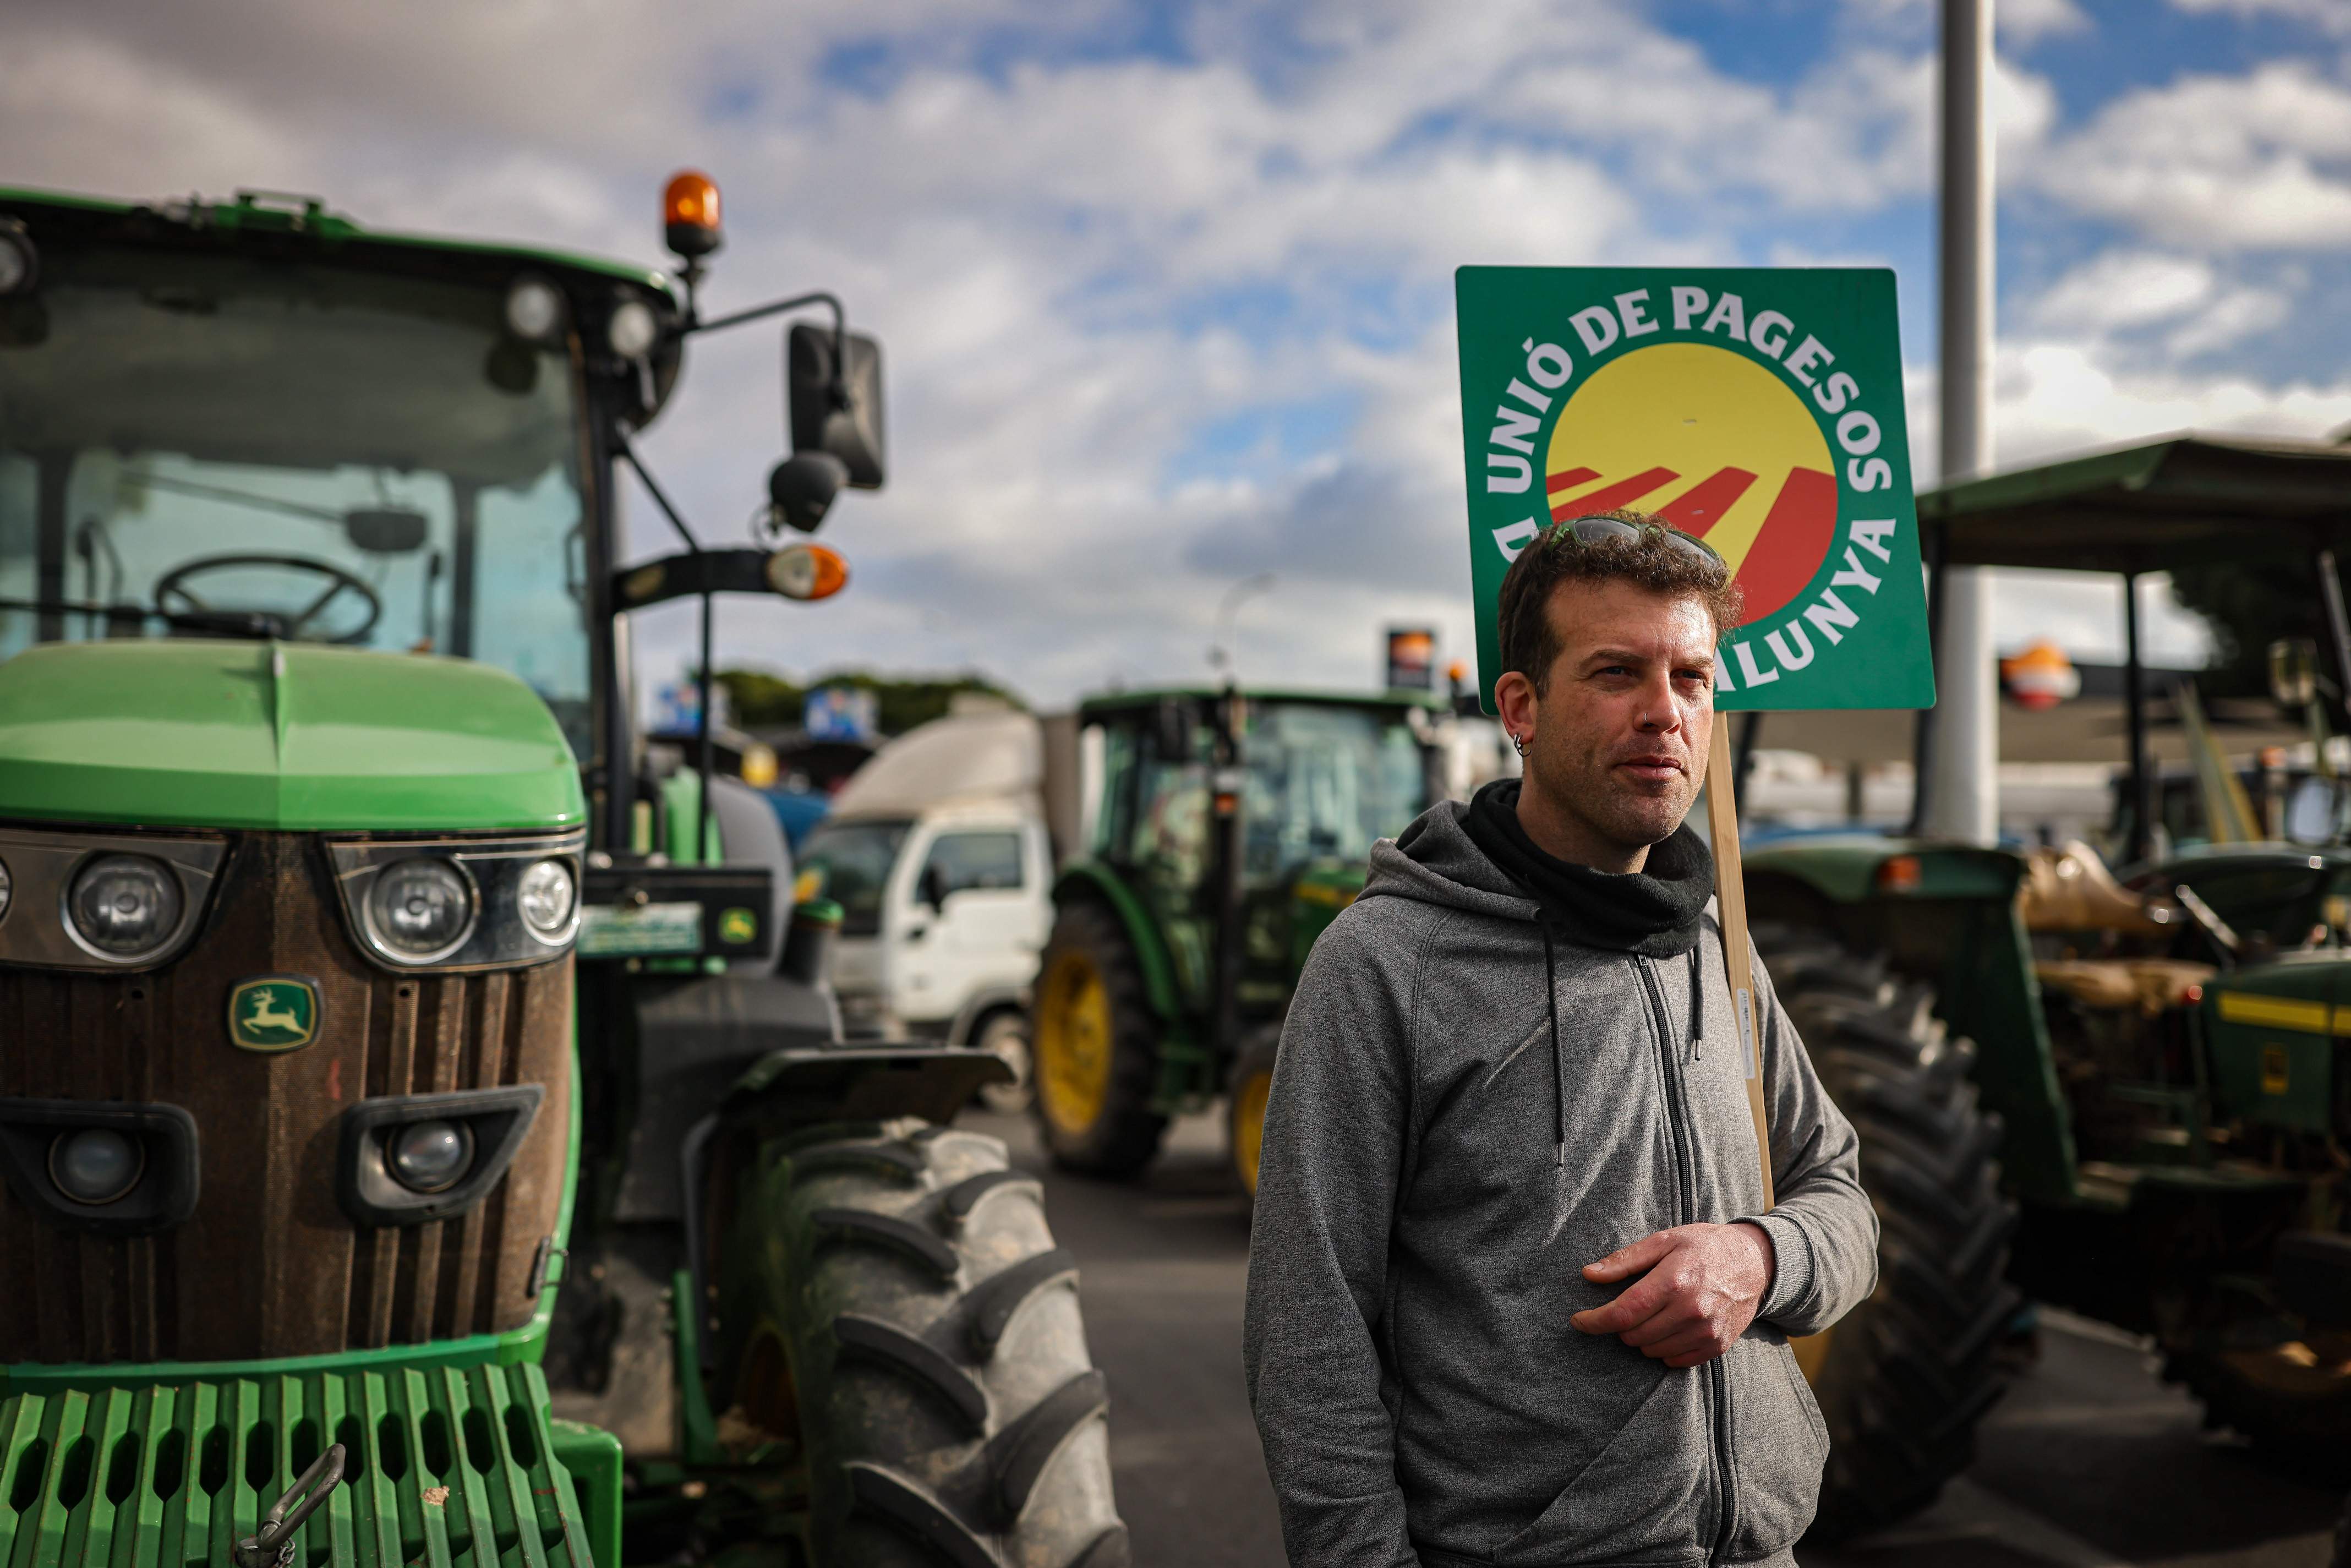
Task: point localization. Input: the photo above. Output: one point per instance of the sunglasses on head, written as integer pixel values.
(1591, 530)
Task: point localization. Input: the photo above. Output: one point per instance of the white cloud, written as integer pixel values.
(2261, 161)
(2327, 15)
(2123, 289)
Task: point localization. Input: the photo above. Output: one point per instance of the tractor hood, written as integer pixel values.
(290, 736)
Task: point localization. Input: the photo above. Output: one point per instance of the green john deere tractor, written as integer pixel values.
(2130, 1098)
(1228, 830)
(426, 1132)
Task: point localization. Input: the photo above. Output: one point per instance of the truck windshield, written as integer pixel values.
(851, 863)
(1325, 782)
(365, 456)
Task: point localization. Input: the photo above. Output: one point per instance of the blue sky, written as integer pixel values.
(1166, 289)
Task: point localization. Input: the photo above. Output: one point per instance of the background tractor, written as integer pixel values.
(392, 1059)
(2130, 1098)
(1226, 830)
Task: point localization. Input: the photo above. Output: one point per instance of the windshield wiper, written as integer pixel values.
(255, 623)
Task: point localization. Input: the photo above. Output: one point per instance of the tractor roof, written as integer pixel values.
(1114, 702)
(2186, 498)
(270, 213)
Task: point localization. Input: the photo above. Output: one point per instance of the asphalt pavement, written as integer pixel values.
(2090, 1461)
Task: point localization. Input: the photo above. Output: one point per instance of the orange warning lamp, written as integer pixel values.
(806, 571)
(690, 215)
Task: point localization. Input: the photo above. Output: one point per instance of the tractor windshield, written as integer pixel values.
(367, 457)
(1325, 781)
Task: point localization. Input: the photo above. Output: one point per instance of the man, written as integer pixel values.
(1511, 1299)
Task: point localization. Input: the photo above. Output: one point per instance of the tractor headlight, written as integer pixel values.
(548, 899)
(421, 908)
(632, 330)
(535, 310)
(432, 1156)
(97, 1165)
(124, 906)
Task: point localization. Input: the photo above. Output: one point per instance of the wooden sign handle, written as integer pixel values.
(1730, 900)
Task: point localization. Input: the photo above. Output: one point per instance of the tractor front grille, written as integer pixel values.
(442, 1469)
(269, 1265)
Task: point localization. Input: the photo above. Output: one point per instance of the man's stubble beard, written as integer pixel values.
(1628, 818)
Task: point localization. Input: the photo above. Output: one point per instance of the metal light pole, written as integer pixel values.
(1220, 654)
(1963, 782)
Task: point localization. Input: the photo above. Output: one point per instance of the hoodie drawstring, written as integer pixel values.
(1558, 1056)
(1698, 1004)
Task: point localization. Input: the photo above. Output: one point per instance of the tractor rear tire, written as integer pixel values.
(1094, 1045)
(1903, 1378)
(1245, 1100)
(933, 1357)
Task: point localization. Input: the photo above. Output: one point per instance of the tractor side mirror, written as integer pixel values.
(385, 530)
(836, 408)
(2293, 671)
(931, 887)
(2310, 811)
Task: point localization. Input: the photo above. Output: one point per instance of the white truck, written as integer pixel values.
(938, 853)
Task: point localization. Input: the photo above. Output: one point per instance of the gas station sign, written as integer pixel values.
(1758, 409)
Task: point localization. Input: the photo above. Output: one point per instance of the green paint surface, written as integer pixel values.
(1759, 409)
(288, 736)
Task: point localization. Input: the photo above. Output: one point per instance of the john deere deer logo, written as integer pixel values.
(274, 1012)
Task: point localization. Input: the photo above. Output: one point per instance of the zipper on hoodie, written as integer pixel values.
(1685, 1140)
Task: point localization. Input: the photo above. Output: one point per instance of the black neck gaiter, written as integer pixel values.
(1654, 912)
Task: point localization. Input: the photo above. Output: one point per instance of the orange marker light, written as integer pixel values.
(806, 571)
(690, 214)
(1899, 875)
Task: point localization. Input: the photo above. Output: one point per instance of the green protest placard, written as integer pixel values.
(1757, 408)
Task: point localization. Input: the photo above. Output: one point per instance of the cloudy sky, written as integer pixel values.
(1165, 289)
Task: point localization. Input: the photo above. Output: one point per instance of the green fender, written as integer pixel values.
(1946, 910)
(1092, 879)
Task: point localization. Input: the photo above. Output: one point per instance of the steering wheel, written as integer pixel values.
(174, 584)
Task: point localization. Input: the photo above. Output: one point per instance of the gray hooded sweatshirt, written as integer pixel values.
(1434, 1176)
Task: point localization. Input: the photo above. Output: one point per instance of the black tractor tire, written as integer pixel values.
(949, 1412)
(1904, 1377)
(1246, 1089)
(1095, 1052)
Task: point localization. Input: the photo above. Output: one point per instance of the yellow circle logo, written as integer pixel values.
(1717, 445)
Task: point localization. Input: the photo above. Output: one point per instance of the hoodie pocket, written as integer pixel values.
(1779, 1445)
(1636, 1502)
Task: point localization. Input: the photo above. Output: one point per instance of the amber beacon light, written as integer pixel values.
(690, 215)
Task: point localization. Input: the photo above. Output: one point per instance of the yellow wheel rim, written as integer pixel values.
(1813, 1354)
(1248, 1126)
(1073, 1044)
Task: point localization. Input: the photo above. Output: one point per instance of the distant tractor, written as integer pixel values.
(2130, 1098)
(394, 1061)
(1228, 829)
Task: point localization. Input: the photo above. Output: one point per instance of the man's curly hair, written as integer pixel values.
(1530, 646)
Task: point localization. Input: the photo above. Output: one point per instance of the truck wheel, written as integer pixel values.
(1095, 1046)
(923, 1333)
(1247, 1092)
(1904, 1377)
